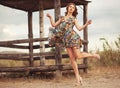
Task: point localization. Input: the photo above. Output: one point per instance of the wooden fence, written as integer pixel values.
(36, 56)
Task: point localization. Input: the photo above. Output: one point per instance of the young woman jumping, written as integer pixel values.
(70, 39)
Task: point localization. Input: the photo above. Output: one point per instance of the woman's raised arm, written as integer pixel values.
(54, 24)
(82, 27)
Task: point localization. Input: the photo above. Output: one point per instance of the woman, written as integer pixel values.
(69, 38)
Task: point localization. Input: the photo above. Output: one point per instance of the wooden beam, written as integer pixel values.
(40, 68)
(81, 2)
(15, 46)
(22, 41)
(46, 46)
(10, 44)
(57, 6)
(41, 23)
(24, 56)
(58, 56)
(30, 36)
(85, 18)
(77, 2)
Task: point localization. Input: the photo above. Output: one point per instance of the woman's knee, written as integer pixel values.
(72, 57)
(77, 52)
(70, 53)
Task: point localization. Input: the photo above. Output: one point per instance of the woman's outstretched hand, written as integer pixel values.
(61, 18)
(48, 15)
(89, 22)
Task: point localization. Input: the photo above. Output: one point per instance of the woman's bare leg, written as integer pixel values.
(80, 55)
(74, 64)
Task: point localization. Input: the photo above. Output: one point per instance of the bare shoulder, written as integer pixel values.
(76, 21)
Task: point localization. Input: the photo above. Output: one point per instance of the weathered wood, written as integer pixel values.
(15, 46)
(85, 48)
(22, 41)
(40, 68)
(25, 47)
(41, 24)
(32, 5)
(8, 44)
(82, 1)
(75, 1)
(57, 5)
(46, 57)
(30, 36)
(46, 46)
(58, 56)
(37, 56)
(25, 56)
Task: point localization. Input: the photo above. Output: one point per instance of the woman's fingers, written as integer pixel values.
(48, 15)
(90, 21)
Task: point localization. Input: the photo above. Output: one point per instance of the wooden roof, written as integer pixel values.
(33, 5)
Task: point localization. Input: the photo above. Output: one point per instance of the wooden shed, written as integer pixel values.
(31, 6)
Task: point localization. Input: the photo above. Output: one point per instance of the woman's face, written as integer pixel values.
(71, 8)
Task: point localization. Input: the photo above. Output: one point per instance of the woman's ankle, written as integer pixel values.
(97, 56)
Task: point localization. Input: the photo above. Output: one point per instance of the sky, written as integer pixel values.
(105, 16)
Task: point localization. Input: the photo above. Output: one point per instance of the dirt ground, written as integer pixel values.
(95, 78)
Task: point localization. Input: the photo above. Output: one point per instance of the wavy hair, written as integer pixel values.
(75, 13)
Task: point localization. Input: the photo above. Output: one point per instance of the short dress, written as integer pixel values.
(65, 35)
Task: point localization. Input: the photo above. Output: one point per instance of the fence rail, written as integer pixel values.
(40, 68)
(36, 56)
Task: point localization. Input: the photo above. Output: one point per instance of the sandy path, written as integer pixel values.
(101, 78)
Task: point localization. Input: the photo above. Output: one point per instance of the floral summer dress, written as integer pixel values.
(65, 35)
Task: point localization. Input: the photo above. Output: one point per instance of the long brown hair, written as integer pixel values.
(75, 13)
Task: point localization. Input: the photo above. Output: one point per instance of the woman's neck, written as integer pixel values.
(69, 15)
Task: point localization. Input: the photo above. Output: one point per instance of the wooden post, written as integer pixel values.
(85, 48)
(57, 5)
(30, 36)
(41, 22)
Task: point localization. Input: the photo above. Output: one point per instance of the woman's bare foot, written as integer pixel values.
(79, 83)
(97, 56)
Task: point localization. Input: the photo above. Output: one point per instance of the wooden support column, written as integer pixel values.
(30, 36)
(57, 6)
(85, 48)
(41, 22)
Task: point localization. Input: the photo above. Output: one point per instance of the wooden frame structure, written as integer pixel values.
(31, 6)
